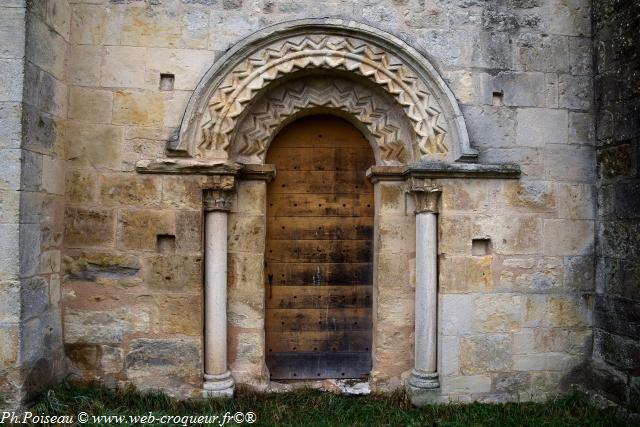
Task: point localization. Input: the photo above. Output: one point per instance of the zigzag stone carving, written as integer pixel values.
(272, 111)
(320, 51)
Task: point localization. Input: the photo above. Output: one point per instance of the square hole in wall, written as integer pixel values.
(167, 81)
(497, 98)
(480, 247)
(166, 244)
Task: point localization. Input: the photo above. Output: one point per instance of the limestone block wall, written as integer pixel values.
(34, 38)
(12, 40)
(616, 353)
(515, 318)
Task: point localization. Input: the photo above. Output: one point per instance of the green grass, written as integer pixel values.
(315, 408)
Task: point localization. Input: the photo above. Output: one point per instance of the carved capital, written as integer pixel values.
(426, 195)
(219, 195)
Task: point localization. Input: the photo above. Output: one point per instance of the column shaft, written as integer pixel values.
(426, 292)
(215, 279)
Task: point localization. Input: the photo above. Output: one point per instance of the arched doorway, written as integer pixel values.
(318, 254)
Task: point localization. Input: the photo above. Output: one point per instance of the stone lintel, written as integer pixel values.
(172, 166)
(258, 172)
(169, 166)
(435, 169)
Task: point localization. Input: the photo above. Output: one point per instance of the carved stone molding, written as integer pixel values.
(332, 47)
(380, 116)
(426, 195)
(219, 195)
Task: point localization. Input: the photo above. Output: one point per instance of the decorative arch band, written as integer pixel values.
(237, 82)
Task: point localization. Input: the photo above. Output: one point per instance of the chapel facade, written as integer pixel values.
(435, 195)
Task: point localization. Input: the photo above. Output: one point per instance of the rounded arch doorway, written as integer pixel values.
(318, 253)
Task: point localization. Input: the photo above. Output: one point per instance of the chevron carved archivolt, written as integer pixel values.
(373, 111)
(320, 51)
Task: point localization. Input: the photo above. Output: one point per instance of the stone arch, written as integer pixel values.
(372, 113)
(240, 79)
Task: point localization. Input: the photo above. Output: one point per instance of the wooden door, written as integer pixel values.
(319, 252)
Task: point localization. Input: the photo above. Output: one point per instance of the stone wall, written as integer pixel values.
(35, 35)
(616, 353)
(515, 306)
(12, 38)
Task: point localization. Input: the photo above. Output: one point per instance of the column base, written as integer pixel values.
(423, 388)
(218, 386)
(423, 380)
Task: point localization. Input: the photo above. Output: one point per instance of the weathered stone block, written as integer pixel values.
(498, 312)
(575, 92)
(180, 315)
(9, 251)
(124, 189)
(467, 384)
(92, 266)
(251, 198)
(189, 231)
(486, 353)
(88, 24)
(9, 350)
(456, 313)
(538, 52)
(510, 235)
(187, 65)
(84, 65)
(90, 145)
(465, 274)
(545, 362)
(81, 186)
(529, 159)
(89, 227)
(491, 126)
(104, 327)
(576, 201)
(531, 133)
(463, 195)
(569, 163)
(531, 274)
(139, 229)
(123, 66)
(246, 233)
(90, 105)
(527, 196)
(518, 89)
(580, 56)
(174, 273)
(138, 108)
(163, 358)
(568, 237)
(572, 18)
(10, 124)
(569, 311)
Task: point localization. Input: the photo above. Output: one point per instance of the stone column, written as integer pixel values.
(218, 381)
(425, 373)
